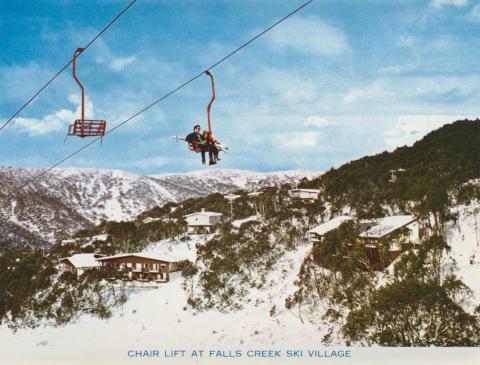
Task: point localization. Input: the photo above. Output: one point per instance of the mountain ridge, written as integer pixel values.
(65, 200)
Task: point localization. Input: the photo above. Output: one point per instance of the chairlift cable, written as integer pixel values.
(165, 96)
(67, 65)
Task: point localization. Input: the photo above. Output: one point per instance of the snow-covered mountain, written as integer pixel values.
(65, 200)
(204, 182)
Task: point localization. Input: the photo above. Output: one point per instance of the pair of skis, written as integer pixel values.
(218, 145)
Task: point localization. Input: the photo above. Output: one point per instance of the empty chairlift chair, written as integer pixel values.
(84, 127)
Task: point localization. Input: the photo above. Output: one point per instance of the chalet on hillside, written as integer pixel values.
(388, 226)
(400, 233)
(406, 227)
(143, 266)
(317, 233)
(304, 194)
(202, 221)
(80, 262)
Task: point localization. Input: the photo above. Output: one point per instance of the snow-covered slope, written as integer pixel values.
(160, 319)
(464, 240)
(65, 200)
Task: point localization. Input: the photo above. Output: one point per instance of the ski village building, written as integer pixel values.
(388, 226)
(202, 221)
(316, 234)
(304, 194)
(143, 266)
(80, 262)
(401, 231)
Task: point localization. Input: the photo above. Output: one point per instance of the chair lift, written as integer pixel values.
(209, 106)
(84, 127)
(196, 147)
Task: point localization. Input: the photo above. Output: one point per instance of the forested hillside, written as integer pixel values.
(442, 161)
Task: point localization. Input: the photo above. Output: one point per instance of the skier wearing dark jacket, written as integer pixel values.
(197, 144)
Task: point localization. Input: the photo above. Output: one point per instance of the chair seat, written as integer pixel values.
(87, 128)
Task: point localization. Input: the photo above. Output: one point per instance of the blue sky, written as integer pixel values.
(337, 81)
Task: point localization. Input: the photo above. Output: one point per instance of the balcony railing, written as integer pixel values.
(145, 270)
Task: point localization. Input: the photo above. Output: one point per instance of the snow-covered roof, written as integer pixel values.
(387, 225)
(208, 214)
(81, 260)
(145, 255)
(64, 242)
(330, 225)
(100, 237)
(237, 223)
(306, 190)
(231, 196)
(254, 193)
(151, 219)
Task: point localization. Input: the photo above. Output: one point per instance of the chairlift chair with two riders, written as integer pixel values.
(196, 147)
(84, 127)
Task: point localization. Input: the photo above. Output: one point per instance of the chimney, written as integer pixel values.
(203, 210)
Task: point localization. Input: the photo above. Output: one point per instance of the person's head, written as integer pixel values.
(196, 128)
(206, 133)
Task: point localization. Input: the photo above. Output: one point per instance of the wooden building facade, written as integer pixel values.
(143, 266)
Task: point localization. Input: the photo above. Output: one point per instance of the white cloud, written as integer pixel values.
(119, 64)
(298, 140)
(316, 121)
(377, 90)
(443, 43)
(411, 128)
(407, 41)
(397, 69)
(475, 13)
(38, 127)
(440, 85)
(434, 88)
(440, 3)
(309, 35)
(19, 82)
(103, 55)
(54, 122)
(285, 86)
